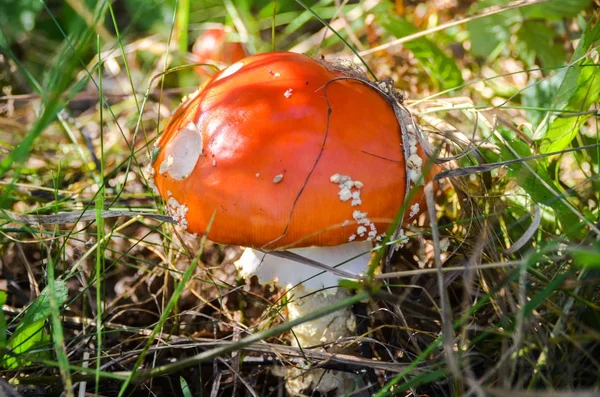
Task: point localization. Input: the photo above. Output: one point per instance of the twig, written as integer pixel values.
(446, 269)
(77, 216)
(446, 314)
(310, 262)
(537, 220)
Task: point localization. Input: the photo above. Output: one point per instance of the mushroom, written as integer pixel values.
(290, 153)
(214, 46)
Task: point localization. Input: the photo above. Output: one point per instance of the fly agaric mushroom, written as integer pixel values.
(293, 154)
(214, 47)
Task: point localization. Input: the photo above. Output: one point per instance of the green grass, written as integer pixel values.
(508, 268)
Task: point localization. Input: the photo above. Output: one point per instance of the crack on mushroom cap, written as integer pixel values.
(183, 152)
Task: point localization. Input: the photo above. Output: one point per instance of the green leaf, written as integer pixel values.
(569, 84)
(538, 299)
(532, 185)
(565, 127)
(592, 154)
(148, 13)
(589, 37)
(556, 9)
(40, 308)
(354, 285)
(30, 332)
(538, 40)
(185, 388)
(491, 34)
(2, 323)
(17, 17)
(439, 66)
(586, 256)
(21, 342)
(540, 95)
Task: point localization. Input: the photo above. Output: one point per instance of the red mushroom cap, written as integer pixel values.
(284, 155)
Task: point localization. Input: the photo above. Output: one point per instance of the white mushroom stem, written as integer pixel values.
(308, 291)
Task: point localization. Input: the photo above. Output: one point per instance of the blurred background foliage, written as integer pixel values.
(34, 31)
